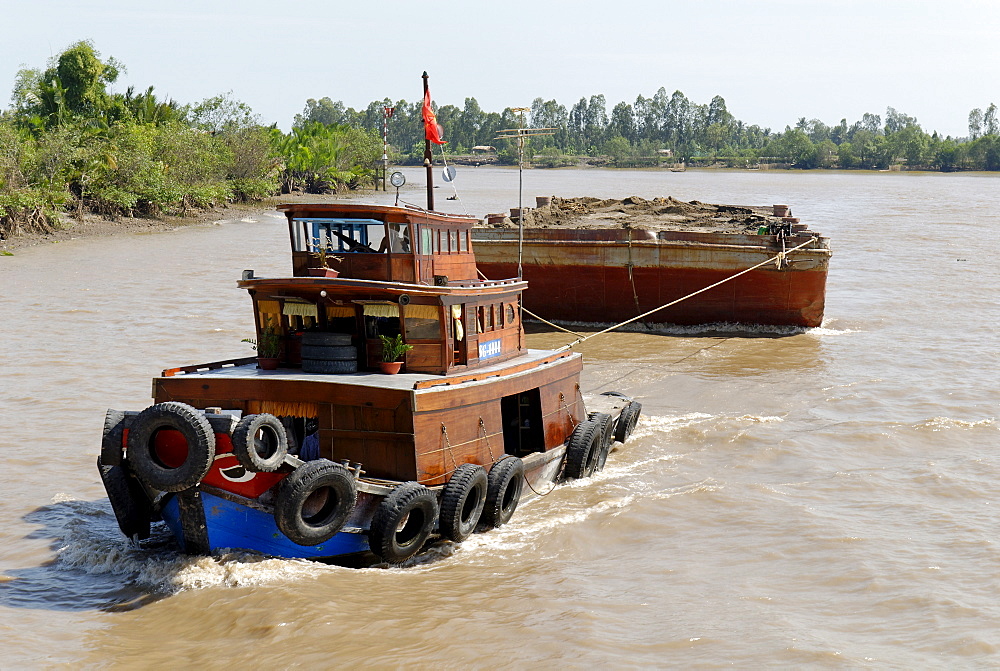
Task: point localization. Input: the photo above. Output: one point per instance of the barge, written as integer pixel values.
(607, 261)
(318, 454)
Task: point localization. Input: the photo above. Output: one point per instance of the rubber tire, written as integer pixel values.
(607, 423)
(198, 433)
(462, 502)
(402, 522)
(330, 352)
(627, 421)
(292, 505)
(129, 502)
(112, 450)
(503, 491)
(583, 451)
(246, 445)
(329, 339)
(329, 367)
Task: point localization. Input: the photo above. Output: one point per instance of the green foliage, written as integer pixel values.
(68, 144)
(321, 159)
(269, 344)
(393, 348)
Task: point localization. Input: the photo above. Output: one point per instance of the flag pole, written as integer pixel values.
(428, 158)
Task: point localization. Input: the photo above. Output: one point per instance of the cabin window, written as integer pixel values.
(399, 238)
(511, 314)
(453, 241)
(435, 241)
(463, 241)
(338, 235)
(381, 319)
(422, 322)
(425, 240)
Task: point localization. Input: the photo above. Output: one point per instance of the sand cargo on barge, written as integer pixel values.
(607, 261)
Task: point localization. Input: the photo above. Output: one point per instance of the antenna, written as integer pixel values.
(520, 133)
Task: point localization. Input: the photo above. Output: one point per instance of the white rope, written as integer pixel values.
(779, 259)
(454, 187)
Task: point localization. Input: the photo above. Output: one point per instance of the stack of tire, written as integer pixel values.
(328, 353)
(592, 439)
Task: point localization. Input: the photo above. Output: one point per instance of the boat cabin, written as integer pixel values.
(371, 271)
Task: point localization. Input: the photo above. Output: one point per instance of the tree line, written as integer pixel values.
(673, 129)
(70, 145)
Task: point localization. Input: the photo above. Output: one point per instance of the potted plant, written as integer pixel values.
(268, 348)
(323, 252)
(393, 349)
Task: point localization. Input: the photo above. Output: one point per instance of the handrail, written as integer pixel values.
(215, 365)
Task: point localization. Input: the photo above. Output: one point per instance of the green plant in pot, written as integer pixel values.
(393, 350)
(323, 252)
(268, 347)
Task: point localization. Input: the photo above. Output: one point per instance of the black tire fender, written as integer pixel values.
(583, 451)
(503, 491)
(323, 338)
(607, 423)
(330, 352)
(131, 506)
(328, 367)
(146, 463)
(260, 443)
(111, 440)
(627, 421)
(314, 501)
(462, 502)
(402, 522)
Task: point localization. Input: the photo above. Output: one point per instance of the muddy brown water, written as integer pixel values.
(818, 497)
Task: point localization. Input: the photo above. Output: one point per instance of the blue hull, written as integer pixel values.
(234, 526)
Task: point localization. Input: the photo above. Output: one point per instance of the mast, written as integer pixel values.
(428, 158)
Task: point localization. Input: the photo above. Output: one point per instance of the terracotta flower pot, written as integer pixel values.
(390, 367)
(323, 272)
(267, 363)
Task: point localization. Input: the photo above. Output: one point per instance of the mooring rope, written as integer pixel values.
(780, 260)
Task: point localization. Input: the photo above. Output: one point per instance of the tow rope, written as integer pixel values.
(780, 261)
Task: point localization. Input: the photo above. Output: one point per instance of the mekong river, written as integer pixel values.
(820, 497)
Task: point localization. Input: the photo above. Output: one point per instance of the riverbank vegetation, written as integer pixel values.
(71, 146)
(670, 129)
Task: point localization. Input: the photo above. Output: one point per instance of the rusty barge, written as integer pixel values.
(607, 261)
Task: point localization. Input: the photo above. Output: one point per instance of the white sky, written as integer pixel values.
(772, 60)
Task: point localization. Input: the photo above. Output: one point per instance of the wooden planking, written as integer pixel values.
(425, 358)
(439, 454)
(193, 388)
(555, 366)
(381, 439)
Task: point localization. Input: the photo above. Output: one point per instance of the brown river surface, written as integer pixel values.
(818, 497)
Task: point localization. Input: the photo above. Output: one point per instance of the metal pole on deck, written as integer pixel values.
(428, 159)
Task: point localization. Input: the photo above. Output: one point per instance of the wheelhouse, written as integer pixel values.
(371, 271)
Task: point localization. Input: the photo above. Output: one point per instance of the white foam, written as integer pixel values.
(943, 423)
(91, 541)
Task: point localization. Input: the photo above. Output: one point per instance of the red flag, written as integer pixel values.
(432, 131)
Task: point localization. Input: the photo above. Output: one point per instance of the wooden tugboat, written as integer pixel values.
(325, 456)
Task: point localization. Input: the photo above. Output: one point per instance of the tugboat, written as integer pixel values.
(319, 454)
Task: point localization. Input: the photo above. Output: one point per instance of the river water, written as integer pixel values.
(816, 497)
